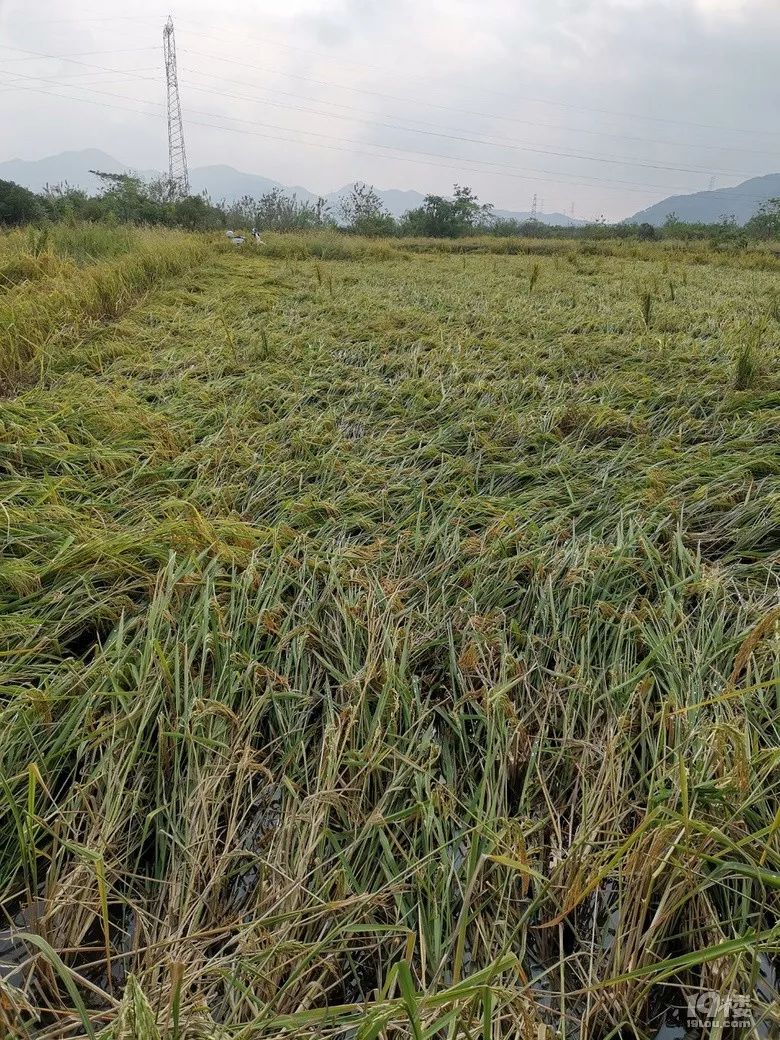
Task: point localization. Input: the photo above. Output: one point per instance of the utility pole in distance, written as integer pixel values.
(178, 177)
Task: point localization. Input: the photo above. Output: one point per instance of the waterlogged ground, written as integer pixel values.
(391, 643)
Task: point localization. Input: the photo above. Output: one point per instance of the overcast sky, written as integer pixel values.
(603, 105)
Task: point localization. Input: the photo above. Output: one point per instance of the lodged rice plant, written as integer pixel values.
(70, 278)
(389, 650)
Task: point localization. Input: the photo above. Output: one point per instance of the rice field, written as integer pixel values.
(389, 639)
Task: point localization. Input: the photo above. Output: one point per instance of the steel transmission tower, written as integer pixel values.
(178, 178)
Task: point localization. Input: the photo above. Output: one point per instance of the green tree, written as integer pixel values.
(473, 214)
(439, 217)
(131, 200)
(18, 205)
(364, 213)
(196, 213)
(766, 222)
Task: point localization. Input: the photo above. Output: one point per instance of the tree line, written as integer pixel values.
(126, 199)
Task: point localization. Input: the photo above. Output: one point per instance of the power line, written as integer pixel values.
(456, 137)
(406, 100)
(445, 108)
(535, 173)
(80, 54)
(514, 146)
(70, 76)
(425, 160)
(496, 168)
(512, 97)
(482, 140)
(84, 21)
(426, 157)
(70, 97)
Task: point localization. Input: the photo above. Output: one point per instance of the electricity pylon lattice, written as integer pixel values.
(178, 177)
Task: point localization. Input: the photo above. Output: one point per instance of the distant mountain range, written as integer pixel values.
(66, 168)
(710, 207)
(225, 183)
(219, 182)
